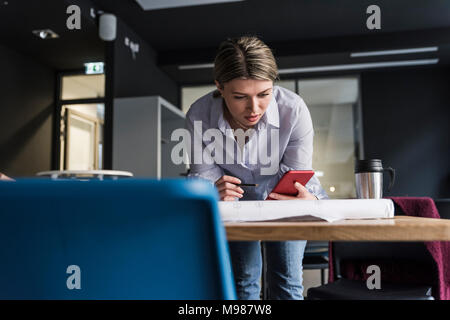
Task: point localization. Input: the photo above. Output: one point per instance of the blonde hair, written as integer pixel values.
(244, 57)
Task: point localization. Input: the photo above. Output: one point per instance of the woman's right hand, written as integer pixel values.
(228, 189)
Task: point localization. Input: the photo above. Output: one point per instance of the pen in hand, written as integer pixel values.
(229, 188)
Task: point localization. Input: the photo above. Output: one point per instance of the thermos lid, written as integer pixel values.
(371, 165)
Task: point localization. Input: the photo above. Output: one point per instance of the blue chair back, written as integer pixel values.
(124, 239)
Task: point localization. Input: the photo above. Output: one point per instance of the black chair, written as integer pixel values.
(443, 206)
(405, 253)
(316, 257)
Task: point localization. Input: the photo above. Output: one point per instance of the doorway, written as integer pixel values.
(80, 109)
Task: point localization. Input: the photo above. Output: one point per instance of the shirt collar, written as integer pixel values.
(217, 115)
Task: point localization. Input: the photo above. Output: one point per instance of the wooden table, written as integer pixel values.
(400, 228)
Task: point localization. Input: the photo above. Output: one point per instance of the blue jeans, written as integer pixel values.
(283, 269)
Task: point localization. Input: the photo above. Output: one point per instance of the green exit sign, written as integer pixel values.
(94, 67)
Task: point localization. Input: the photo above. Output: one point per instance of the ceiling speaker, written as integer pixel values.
(107, 27)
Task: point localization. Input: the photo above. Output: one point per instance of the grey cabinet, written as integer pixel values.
(142, 128)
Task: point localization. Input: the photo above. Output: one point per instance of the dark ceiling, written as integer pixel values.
(301, 32)
(276, 21)
(70, 51)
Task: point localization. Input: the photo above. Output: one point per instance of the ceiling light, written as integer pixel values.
(391, 52)
(165, 4)
(45, 34)
(355, 66)
(196, 66)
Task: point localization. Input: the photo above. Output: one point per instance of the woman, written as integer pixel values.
(247, 100)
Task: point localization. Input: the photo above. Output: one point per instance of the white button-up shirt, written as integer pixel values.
(287, 114)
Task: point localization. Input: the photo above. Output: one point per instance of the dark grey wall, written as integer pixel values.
(132, 77)
(140, 76)
(26, 114)
(406, 117)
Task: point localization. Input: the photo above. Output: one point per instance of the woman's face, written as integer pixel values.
(247, 99)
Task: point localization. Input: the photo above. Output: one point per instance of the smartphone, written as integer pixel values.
(286, 184)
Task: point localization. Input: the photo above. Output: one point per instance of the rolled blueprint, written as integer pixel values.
(289, 210)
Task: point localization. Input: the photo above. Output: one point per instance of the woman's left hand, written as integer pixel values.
(303, 194)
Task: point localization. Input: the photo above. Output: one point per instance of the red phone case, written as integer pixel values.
(286, 184)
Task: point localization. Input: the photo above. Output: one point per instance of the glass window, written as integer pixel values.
(288, 84)
(333, 104)
(83, 86)
(190, 94)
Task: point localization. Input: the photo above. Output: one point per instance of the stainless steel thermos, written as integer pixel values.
(369, 179)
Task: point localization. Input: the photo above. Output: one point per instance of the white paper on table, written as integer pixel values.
(329, 210)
